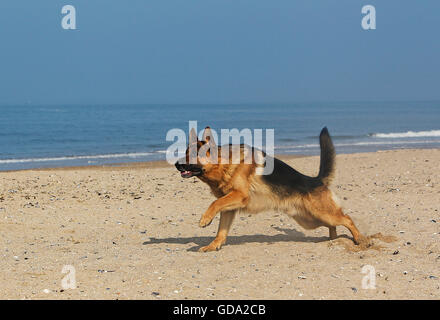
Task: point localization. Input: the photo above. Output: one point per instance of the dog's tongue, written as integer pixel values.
(186, 174)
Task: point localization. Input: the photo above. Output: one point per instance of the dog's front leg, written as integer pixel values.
(232, 201)
(226, 218)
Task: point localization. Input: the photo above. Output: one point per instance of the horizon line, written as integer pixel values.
(210, 103)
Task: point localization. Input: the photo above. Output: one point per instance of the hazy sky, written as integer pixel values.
(218, 51)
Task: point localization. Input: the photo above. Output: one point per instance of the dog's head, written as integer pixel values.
(198, 155)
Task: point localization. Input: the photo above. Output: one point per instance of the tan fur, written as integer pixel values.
(238, 189)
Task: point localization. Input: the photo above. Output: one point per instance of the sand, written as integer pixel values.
(131, 232)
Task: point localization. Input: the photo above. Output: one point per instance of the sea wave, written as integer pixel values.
(100, 156)
(363, 143)
(408, 134)
(282, 148)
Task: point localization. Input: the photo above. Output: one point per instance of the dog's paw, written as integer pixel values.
(213, 246)
(204, 222)
(208, 249)
(364, 242)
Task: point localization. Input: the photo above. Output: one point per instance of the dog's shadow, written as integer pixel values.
(288, 235)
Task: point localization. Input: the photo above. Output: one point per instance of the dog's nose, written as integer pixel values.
(178, 165)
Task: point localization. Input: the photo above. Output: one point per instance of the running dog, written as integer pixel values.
(240, 187)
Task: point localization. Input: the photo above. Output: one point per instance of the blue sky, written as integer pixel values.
(218, 51)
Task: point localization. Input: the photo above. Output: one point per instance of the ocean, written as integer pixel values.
(77, 135)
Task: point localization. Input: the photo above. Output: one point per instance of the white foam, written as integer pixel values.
(364, 143)
(101, 156)
(408, 134)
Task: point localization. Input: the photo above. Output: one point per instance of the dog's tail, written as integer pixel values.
(327, 165)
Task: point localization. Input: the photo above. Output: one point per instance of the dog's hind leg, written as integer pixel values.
(226, 218)
(323, 207)
(338, 218)
(332, 233)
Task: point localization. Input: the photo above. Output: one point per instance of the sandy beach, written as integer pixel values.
(131, 232)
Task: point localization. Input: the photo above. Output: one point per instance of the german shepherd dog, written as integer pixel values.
(238, 188)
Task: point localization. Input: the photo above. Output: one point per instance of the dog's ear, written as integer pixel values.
(207, 136)
(193, 136)
(209, 148)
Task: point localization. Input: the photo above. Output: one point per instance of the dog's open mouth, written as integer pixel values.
(189, 174)
(189, 170)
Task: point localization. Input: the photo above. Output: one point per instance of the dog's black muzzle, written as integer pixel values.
(189, 170)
